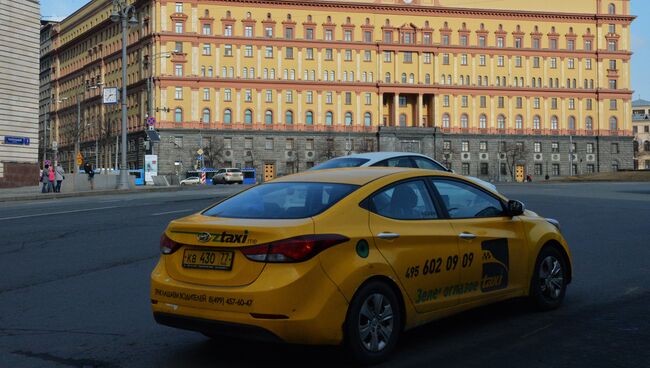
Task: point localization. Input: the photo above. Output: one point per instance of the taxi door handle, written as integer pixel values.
(388, 236)
(467, 236)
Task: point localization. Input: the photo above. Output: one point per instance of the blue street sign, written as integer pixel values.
(199, 157)
(17, 140)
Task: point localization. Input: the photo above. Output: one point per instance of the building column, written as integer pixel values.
(380, 119)
(419, 114)
(396, 109)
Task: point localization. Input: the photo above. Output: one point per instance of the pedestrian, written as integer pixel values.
(52, 176)
(59, 178)
(45, 179)
(88, 168)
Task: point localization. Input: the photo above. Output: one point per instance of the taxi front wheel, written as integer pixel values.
(548, 283)
(373, 323)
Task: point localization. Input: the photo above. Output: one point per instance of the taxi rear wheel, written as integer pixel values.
(549, 280)
(373, 323)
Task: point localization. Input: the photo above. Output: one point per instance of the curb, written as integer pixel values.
(45, 196)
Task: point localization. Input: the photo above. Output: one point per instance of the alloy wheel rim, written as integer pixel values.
(551, 278)
(376, 322)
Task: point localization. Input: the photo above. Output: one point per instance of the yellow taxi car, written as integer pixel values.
(353, 257)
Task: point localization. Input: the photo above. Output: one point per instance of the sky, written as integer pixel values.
(640, 38)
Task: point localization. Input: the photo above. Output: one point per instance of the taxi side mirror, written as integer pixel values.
(515, 208)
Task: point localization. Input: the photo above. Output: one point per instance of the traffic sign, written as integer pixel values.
(151, 121)
(55, 145)
(200, 151)
(80, 159)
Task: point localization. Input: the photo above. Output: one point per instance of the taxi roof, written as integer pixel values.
(355, 176)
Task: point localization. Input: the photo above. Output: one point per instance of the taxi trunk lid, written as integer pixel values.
(209, 251)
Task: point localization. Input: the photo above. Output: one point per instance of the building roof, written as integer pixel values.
(640, 103)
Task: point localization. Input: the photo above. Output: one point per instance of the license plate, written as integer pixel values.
(205, 259)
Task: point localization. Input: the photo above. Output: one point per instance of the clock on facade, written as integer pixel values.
(110, 95)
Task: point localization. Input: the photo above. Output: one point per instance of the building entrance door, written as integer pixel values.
(269, 172)
(520, 173)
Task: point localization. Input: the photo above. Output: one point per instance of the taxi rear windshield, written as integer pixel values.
(289, 200)
(341, 163)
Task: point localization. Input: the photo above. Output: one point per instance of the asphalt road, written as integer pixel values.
(74, 284)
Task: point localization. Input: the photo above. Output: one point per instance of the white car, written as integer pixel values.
(192, 180)
(392, 159)
(228, 176)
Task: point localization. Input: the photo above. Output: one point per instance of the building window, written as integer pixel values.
(615, 148)
(248, 31)
(556, 169)
(178, 93)
(537, 147)
(482, 121)
(501, 122)
(519, 122)
(572, 123)
(269, 95)
(178, 115)
(206, 94)
(367, 119)
(402, 120)
(309, 118)
(207, 29)
(227, 31)
(555, 147)
(538, 169)
(206, 116)
(227, 50)
(227, 95)
(465, 168)
(408, 57)
(348, 118)
(268, 144)
(207, 49)
(178, 70)
(248, 117)
(554, 123)
(464, 121)
(329, 117)
(288, 117)
(612, 105)
(268, 52)
(613, 123)
(178, 27)
(445, 120)
(310, 97)
(248, 95)
(329, 99)
(227, 116)
(268, 117)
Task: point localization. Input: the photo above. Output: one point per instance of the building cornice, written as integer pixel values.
(424, 10)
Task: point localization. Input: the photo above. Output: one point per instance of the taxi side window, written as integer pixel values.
(405, 201)
(423, 163)
(404, 161)
(466, 201)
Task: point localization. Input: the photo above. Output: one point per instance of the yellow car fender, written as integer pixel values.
(541, 233)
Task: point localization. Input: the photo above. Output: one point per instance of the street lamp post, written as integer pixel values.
(126, 14)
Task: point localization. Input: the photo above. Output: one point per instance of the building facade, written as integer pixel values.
(19, 50)
(282, 85)
(45, 149)
(641, 130)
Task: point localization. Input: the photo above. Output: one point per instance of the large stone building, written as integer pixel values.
(19, 92)
(641, 130)
(491, 88)
(45, 149)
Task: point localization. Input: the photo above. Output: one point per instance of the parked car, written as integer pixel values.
(392, 159)
(228, 176)
(192, 180)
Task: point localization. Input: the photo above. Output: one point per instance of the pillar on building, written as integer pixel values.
(395, 109)
(380, 114)
(419, 114)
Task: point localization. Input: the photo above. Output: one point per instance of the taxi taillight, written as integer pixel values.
(297, 249)
(168, 246)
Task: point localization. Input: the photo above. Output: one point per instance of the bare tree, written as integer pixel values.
(515, 153)
(330, 148)
(447, 156)
(213, 152)
(366, 145)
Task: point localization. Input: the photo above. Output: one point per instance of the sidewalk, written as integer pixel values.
(34, 193)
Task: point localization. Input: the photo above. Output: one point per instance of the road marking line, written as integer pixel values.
(536, 331)
(59, 213)
(170, 212)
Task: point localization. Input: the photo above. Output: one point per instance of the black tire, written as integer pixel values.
(374, 347)
(549, 280)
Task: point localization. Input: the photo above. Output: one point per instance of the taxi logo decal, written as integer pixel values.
(222, 237)
(203, 237)
(495, 265)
